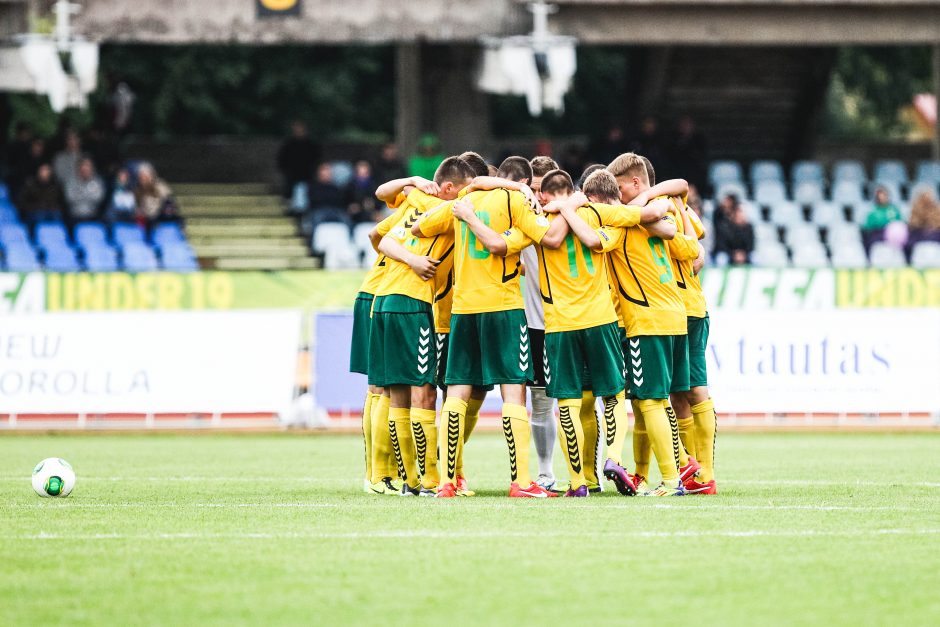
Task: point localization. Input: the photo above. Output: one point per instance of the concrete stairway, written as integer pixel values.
(241, 227)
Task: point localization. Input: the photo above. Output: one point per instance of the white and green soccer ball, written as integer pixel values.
(53, 477)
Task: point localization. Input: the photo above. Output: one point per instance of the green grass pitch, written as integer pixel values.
(274, 529)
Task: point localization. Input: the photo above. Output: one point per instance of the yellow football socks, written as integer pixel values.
(664, 440)
(686, 434)
(706, 428)
(682, 455)
(642, 452)
(473, 414)
(383, 458)
(424, 429)
(615, 421)
(399, 426)
(518, 435)
(592, 435)
(453, 416)
(367, 432)
(571, 438)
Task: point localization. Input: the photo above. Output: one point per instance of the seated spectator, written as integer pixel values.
(40, 199)
(65, 163)
(688, 152)
(360, 193)
(122, 205)
(18, 166)
(881, 215)
(84, 193)
(153, 196)
(327, 201)
(389, 166)
(694, 201)
(734, 235)
(296, 158)
(925, 218)
(429, 156)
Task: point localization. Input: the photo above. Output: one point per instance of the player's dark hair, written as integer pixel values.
(453, 169)
(557, 182)
(515, 169)
(602, 185)
(650, 172)
(476, 163)
(542, 165)
(588, 171)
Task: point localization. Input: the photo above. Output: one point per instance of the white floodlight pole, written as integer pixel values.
(540, 34)
(63, 23)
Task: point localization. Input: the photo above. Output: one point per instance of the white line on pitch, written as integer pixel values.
(450, 535)
(80, 505)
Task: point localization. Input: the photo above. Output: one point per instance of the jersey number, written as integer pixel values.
(658, 249)
(473, 245)
(573, 256)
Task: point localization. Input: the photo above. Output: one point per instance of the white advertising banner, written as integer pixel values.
(149, 362)
(848, 361)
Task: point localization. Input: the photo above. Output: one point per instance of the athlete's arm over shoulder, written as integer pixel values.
(654, 211)
(386, 192)
(491, 240)
(672, 187)
(581, 229)
(664, 228)
(424, 267)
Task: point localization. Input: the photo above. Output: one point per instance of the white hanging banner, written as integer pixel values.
(149, 362)
(842, 361)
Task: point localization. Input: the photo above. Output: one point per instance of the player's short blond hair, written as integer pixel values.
(542, 165)
(650, 171)
(629, 164)
(601, 184)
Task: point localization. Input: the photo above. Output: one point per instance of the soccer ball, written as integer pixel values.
(53, 477)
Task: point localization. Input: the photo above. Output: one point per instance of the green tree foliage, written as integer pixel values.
(870, 85)
(246, 90)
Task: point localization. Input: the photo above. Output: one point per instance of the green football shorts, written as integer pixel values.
(656, 365)
(489, 348)
(593, 354)
(362, 323)
(442, 342)
(402, 344)
(698, 340)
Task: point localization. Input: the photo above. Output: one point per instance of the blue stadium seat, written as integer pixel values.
(138, 257)
(13, 233)
(928, 172)
(724, 172)
(167, 233)
(807, 171)
(90, 234)
(766, 170)
(4, 191)
(61, 258)
(890, 170)
(101, 258)
(21, 257)
(849, 170)
(126, 233)
(342, 173)
(51, 234)
(8, 214)
(178, 257)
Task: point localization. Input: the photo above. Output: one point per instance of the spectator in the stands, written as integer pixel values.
(40, 199)
(297, 157)
(883, 213)
(153, 197)
(360, 194)
(122, 204)
(389, 166)
(694, 201)
(429, 156)
(613, 144)
(734, 235)
(84, 193)
(924, 225)
(18, 163)
(65, 164)
(649, 142)
(688, 153)
(327, 201)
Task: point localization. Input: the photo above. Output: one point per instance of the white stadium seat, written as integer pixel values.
(807, 192)
(844, 235)
(724, 172)
(764, 232)
(849, 256)
(329, 235)
(847, 192)
(735, 188)
(766, 170)
(802, 234)
(926, 255)
(849, 170)
(768, 193)
(807, 171)
(810, 256)
(884, 255)
(928, 172)
(890, 170)
(827, 213)
(770, 256)
(786, 213)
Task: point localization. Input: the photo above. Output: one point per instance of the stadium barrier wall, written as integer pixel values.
(790, 346)
(145, 366)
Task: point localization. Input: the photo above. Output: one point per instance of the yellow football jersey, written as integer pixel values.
(573, 278)
(650, 301)
(684, 249)
(399, 278)
(484, 282)
(374, 276)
